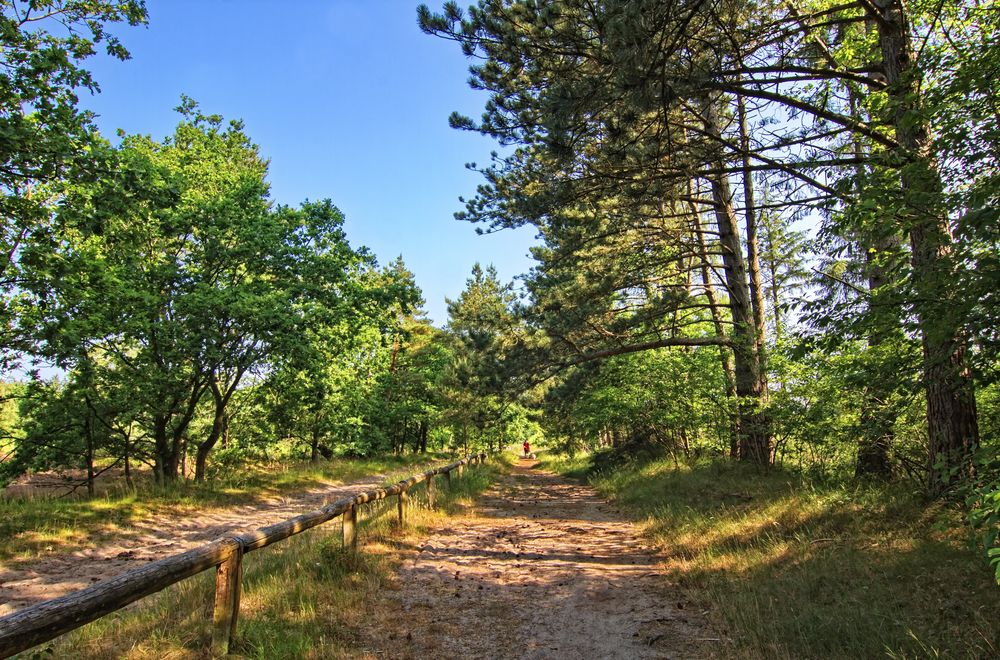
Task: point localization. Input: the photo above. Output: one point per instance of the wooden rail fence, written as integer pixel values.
(47, 620)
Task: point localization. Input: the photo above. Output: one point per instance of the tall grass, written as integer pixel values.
(306, 597)
(796, 568)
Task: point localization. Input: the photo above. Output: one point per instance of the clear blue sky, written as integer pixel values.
(348, 100)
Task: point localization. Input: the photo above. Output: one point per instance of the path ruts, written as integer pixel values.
(544, 568)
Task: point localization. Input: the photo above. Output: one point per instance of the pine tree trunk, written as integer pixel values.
(751, 386)
(753, 245)
(725, 356)
(952, 424)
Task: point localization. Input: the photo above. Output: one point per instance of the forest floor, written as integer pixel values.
(539, 567)
(54, 564)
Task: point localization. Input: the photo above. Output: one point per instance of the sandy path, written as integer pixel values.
(543, 568)
(53, 575)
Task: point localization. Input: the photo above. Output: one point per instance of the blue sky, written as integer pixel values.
(348, 100)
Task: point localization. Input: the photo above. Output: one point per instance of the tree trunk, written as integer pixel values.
(725, 357)
(215, 433)
(161, 451)
(952, 424)
(751, 385)
(128, 467)
(314, 447)
(89, 437)
(753, 245)
(183, 457)
(775, 298)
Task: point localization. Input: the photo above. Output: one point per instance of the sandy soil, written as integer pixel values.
(64, 483)
(543, 568)
(53, 575)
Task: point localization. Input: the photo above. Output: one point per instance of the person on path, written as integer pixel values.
(527, 449)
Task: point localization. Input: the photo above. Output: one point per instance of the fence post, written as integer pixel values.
(350, 527)
(228, 579)
(461, 470)
(447, 477)
(401, 505)
(430, 492)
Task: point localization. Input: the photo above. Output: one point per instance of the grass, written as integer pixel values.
(303, 598)
(35, 527)
(793, 568)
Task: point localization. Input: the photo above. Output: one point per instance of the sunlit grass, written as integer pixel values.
(32, 527)
(576, 466)
(305, 597)
(795, 569)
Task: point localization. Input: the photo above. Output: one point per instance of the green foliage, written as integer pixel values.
(483, 405)
(819, 409)
(982, 499)
(675, 399)
(329, 393)
(10, 423)
(47, 139)
(178, 278)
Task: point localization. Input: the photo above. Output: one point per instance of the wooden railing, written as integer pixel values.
(47, 620)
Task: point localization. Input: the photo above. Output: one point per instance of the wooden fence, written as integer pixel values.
(47, 620)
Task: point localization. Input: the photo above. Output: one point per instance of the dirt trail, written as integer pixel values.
(544, 568)
(52, 575)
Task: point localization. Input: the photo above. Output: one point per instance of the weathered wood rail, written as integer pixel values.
(47, 620)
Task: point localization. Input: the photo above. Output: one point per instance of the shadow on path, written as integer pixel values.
(544, 568)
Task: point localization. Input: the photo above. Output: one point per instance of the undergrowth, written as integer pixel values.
(306, 597)
(797, 568)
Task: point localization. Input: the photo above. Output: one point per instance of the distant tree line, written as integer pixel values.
(160, 309)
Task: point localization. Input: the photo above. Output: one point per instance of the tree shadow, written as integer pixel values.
(799, 569)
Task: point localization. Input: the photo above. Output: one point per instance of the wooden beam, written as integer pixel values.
(265, 536)
(402, 506)
(47, 620)
(350, 524)
(228, 584)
